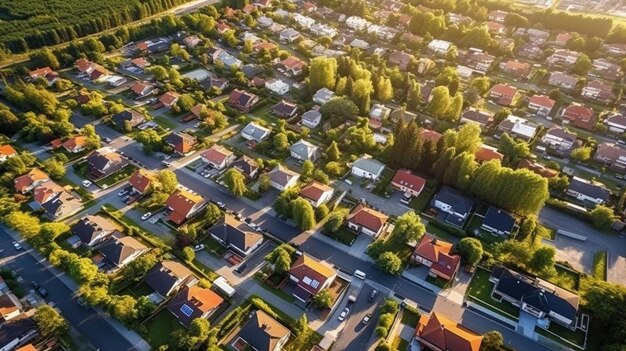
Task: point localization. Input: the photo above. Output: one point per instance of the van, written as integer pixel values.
(359, 274)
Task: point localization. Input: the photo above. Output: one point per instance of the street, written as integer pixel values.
(355, 335)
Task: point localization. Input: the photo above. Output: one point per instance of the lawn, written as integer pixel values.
(410, 317)
(438, 282)
(117, 177)
(276, 291)
(599, 265)
(213, 247)
(440, 233)
(480, 290)
(576, 337)
(138, 290)
(566, 279)
(344, 235)
(160, 327)
(421, 202)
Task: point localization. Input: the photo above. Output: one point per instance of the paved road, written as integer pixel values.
(101, 334)
(356, 335)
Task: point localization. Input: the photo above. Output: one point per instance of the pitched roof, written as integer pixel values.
(406, 178)
(46, 192)
(140, 180)
(61, 205)
(26, 180)
(233, 232)
(314, 190)
(91, 226)
(169, 98)
(438, 252)
(499, 219)
(119, 247)
(446, 334)
(8, 305)
(431, 135)
(542, 100)
(192, 302)
(75, 142)
(181, 203)
(488, 153)
(284, 108)
(7, 150)
(165, 275)
(182, 142)
(282, 175)
(263, 332)
(369, 164)
(133, 116)
(587, 188)
(368, 218)
(217, 154)
(293, 63)
(452, 197)
(304, 149)
(504, 90)
(312, 274)
(98, 159)
(246, 165)
(482, 117)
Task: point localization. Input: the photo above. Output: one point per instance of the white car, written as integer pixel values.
(198, 247)
(86, 183)
(197, 125)
(146, 216)
(17, 246)
(344, 314)
(122, 193)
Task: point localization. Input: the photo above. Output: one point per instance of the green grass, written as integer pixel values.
(213, 247)
(276, 291)
(399, 344)
(599, 265)
(117, 177)
(436, 281)
(480, 290)
(344, 235)
(125, 221)
(410, 317)
(420, 203)
(165, 123)
(139, 289)
(204, 269)
(160, 327)
(576, 337)
(440, 233)
(566, 278)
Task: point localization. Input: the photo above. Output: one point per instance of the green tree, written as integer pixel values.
(361, 94)
(602, 217)
(150, 139)
(409, 226)
(492, 341)
(122, 308)
(280, 257)
(332, 152)
(543, 260)
(281, 142)
(322, 73)
(49, 321)
(303, 213)
(307, 168)
(582, 153)
(471, 249)
(335, 221)
(235, 182)
(199, 328)
(443, 162)
(414, 95)
(188, 254)
(384, 90)
(212, 214)
(54, 168)
(440, 101)
(49, 232)
(389, 262)
(582, 65)
(167, 181)
(25, 223)
(339, 107)
(186, 102)
(323, 300)
(45, 57)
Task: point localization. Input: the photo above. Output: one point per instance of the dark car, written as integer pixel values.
(34, 285)
(241, 268)
(373, 295)
(43, 292)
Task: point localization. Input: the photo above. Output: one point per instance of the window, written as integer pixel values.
(186, 310)
(314, 284)
(306, 280)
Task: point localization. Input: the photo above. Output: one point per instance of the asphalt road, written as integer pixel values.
(356, 335)
(85, 320)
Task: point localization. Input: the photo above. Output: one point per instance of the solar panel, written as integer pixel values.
(186, 310)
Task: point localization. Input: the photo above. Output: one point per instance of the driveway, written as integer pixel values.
(391, 206)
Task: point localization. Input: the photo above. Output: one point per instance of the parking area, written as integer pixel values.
(355, 334)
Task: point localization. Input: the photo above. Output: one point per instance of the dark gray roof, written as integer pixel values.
(62, 204)
(135, 118)
(90, 227)
(15, 328)
(119, 247)
(246, 165)
(262, 332)
(163, 277)
(591, 190)
(499, 219)
(455, 199)
(232, 232)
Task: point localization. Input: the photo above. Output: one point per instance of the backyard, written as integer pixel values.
(480, 289)
(160, 327)
(344, 235)
(117, 177)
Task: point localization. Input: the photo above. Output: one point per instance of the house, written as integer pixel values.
(182, 142)
(473, 115)
(566, 58)
(535, 296)
(579, 116)
(504, 94)
(584, 190)
(616, 123)
(169, 99)
(615, 49)
(75, 144)
(311, 119)
(45, 73)
(191, 41)
(538, 168)
(282, 178)
(194, 302)
(46, 192)
(289, 35)
(255, 132)
(140, 180)
(6, 151)
(10, 307)
(222, 56)
(455, 208)
(487, 153)
(560, 140)
(235, 235)
(262, 3)
(529, 51)
(182, 205)
(535, 36)
(611, 154)
(439, 333)
(498, 16)
(264, 21)
(562, 80)
(218, 157)
(242, 100)
(304, 21)
(367, 221)
(277, 86)
(495, 27)
(436, 254)
(400, 59)
(430, 135)
(92, 71)
(310, 276)
(322, 30)
(476, 60)
(367, 167)
(379, 112)
(17, 331)
(357, 23)
(540, 105)
(222, 27)
(93, 229)
(518, 127)
(323, 95)
(439, 46)
(516, 68)
(142, 89)
(598, 91)
(293, 66)
(139, 63)
(261, 333)
(119, 250)
(104, 162)
(317, 193)
(408, 183)
(498, 222)
(167, 277)
(247, 166)
(285, 109)
(303, 151)
(606, 69)
(133, 117)
(30, 180)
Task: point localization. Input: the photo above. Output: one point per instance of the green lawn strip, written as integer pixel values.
(480, 290)
(165, 123)
(599, 265)
(117, 177)
(439, 232)
(276, 291)
(420, 203)
(438, 282)
(127, 222)
(344, 235)
(213, 247)
(556, 330)
(160, 328)
(566, 278)
(410, 317)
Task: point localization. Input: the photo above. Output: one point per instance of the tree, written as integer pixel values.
(543, 260)
(389, 262)
(410, 226)
(281, 142)
(123, 308)
(414, 95)
(150, 139)
(602, 217)
(235, 182)
(582, 153)
(45, 57)
(582, 65)
(440, 101)
(323, 300)
(443, 162)
(199, 328)
(492, 341)
(339, 107)
(93, 139)
(384, 90)
(49, 321)
(167, 181)
(471, 249)
(307, 168)
(54, 168)
(334, 221)
(322, 73)
(48, 232)
(303, 213)
(280, 257)
(453, 113)
(515, 20)
(361, 94)
(332, 152)
(321, 212)
(188, 254)
(212, 214)
(25, 223)
(186, 102)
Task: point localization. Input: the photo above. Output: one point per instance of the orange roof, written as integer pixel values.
(197, 110)
(430, 248)
(140, 180)
(7, 150)
(248, 8)
(316, 271)
(504, 90)
(217, 154)
(488, 153)
(169, 98)
(445, 334)
(368, 218)
(82, 64)
(314, 190)
(41, 72)
(292, 62)
(75, 142)
(28, 347)
(181, 202)
(139, 87)
(409, 180)
(140, 62)
(46, 192)
(204, 299)
(541, 100)
(26, 180)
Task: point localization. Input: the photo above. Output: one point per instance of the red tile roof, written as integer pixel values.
(438, 251)
(504, 90)
(431, 135)
(217, 154)
(316, 271)
(368, 218)
(181, 203)
(7, 150)
(445, 334)
(409, 180)
(41, 72)
(140, 180)
(75, 142)
(487, 153)
(26, 180)
(314, 190)
(46, 192)
(169, 98)
(542, 100)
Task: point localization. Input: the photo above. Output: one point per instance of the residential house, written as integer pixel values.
(30, 180)
(357, 23)
(400, 59)
(379, 112)
(562, 80)
(615, 49)
(560, 140)
(181, 142)
(322, 30)
(247, 166)
(476, 60)
(255, 132)
(277, 86)
(93, 71)
(367, 167)
(226, 59)
(235, 235)
(367, 221)
(137, 64)
(45, 73)
(323, 95)
(304, 21)
(167, 277)
(616, 123)
(17, 331)
(133, 117)
(439, 333)
(473, 115)
(262, 3)
(540, 105)
(579, 116)
(598, 91)
(10, 307)
(452, 206)
(285, 109)
(536, 36)
(498, 16)
(317, 193)
(75, 144)
(529, 51)
(104, 162)
(537, 168)
(222, 27)
(183, 205)
(498, 222)
(261, 333)
(535, 296)
(505, 95)
(293, 66)
(584, 190)
(282, 178)
(311, 119)
(140, 181)
(6, 151)
(566, 58)
(45, 192)
(487, 153)
(218, 157)
(62, 205)
(289, 35)
(191, 41)
(561, 39)
(169, 99)
(93, 229)
(439, 46)
(242, 100)
(516, 68)
(119, 250)
(430, 135)
(613, 155)
(310, 276)
(408, 183)
(495, 27)
(436, 254)
(606, 69)
(194, 302)
(143, 89)
(304, 150)
(458, 19)
(264, 21)
(518, 127)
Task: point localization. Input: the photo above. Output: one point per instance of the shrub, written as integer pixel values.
(381, 332)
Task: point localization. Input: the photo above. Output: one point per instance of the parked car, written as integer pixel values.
(197, 125)
(198, 247)
(405, 199)
(146, 216)
(344, 314)
(43, 292)
(86, 183)
(367, 318)
(373, 295)
(81, 302)
(17, 246)
(122, 192)
(166, 164)
(241, 268)
(107, 140)
(220, 205)
(34, 285)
